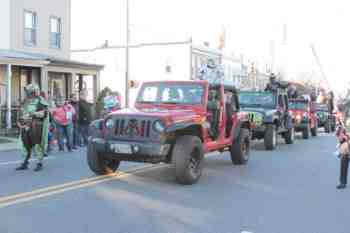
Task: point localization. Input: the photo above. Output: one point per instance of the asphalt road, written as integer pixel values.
(290, 190)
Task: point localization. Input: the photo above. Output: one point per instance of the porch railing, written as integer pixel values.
(14, 117)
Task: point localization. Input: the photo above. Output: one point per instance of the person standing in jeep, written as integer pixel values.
(273, 83)
(84, 118)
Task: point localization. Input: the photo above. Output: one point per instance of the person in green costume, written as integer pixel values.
(34, 127)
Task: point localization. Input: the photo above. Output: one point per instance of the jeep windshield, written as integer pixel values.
(257, 99)
(298, 105)
(321, 108)
(171, 93)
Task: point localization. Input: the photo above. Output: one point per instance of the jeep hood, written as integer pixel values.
(173, 115)
(296, 112)
(262, 111)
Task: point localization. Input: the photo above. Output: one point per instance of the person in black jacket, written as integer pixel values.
(85, 118)
(74, 101)
(273, 84)
(344, 151)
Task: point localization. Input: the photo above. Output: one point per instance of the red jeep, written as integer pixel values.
(304, 116)
(172, 122)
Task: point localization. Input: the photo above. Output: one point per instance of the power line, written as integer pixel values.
(319, 64)
(132, 46)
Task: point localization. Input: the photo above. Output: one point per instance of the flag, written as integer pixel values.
(222, 39)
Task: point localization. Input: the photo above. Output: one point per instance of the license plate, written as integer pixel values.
(121, 148)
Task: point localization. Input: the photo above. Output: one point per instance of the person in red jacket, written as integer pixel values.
(63, 117)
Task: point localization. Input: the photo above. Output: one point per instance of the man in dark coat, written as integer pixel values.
(85, 117)
(273, 84)
(74, 101)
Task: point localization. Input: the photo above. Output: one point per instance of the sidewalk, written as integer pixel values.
(8, 144)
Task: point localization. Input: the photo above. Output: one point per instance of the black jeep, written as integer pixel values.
(269, 115)
(325, 119)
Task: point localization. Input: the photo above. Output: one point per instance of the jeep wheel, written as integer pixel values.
(270, 139)
(306, 132)
(289, 136)
(314, 130)
(327, 127)
(98, 164)
(333, 127)
(188, 156)
(240, 148)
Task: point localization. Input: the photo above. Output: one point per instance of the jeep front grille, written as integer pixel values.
(140, 128)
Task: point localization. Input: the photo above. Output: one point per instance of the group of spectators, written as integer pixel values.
(69, 122)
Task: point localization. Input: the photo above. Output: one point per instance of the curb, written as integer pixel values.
(11, 146)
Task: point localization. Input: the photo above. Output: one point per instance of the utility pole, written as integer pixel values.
(127, 55)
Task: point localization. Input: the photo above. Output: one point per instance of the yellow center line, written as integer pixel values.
(57, 189)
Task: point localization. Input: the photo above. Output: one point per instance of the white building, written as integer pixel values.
(173, 61)
(34, 47)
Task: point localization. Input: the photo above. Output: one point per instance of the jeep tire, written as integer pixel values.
(327, 127)
(188, 158)
(333, 127)
(270, 138)
(98, 164)
(306, 132)
(289, 136)
(240, 148)
(314, 130)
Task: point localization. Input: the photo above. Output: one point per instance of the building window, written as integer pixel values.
(30, 24)
(55, 32)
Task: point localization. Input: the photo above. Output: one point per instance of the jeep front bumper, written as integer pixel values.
(130, 149)
(300, 125)
(258, 132)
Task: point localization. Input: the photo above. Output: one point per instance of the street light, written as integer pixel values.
(127, 55)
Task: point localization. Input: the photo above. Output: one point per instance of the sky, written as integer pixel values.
(253, 28)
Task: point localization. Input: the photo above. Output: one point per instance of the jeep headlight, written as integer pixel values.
(109, 123)
(159, 126)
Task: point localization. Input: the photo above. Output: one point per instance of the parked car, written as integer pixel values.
(304, 116)
(172, 122)
(269, 116)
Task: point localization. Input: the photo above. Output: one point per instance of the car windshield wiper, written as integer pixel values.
(252, 104)
(146, 102)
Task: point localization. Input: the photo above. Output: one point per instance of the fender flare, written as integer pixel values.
(95, 128)
(179, 126)
(270, 119)
(237, 132)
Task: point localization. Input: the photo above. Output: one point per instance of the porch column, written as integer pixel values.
(72, 82)
(80, 82)
(96, 85)
(9, 94)
(44, 80)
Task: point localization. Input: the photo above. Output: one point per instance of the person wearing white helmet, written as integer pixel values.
(33, 125)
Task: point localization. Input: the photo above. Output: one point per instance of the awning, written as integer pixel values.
(35, 59)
